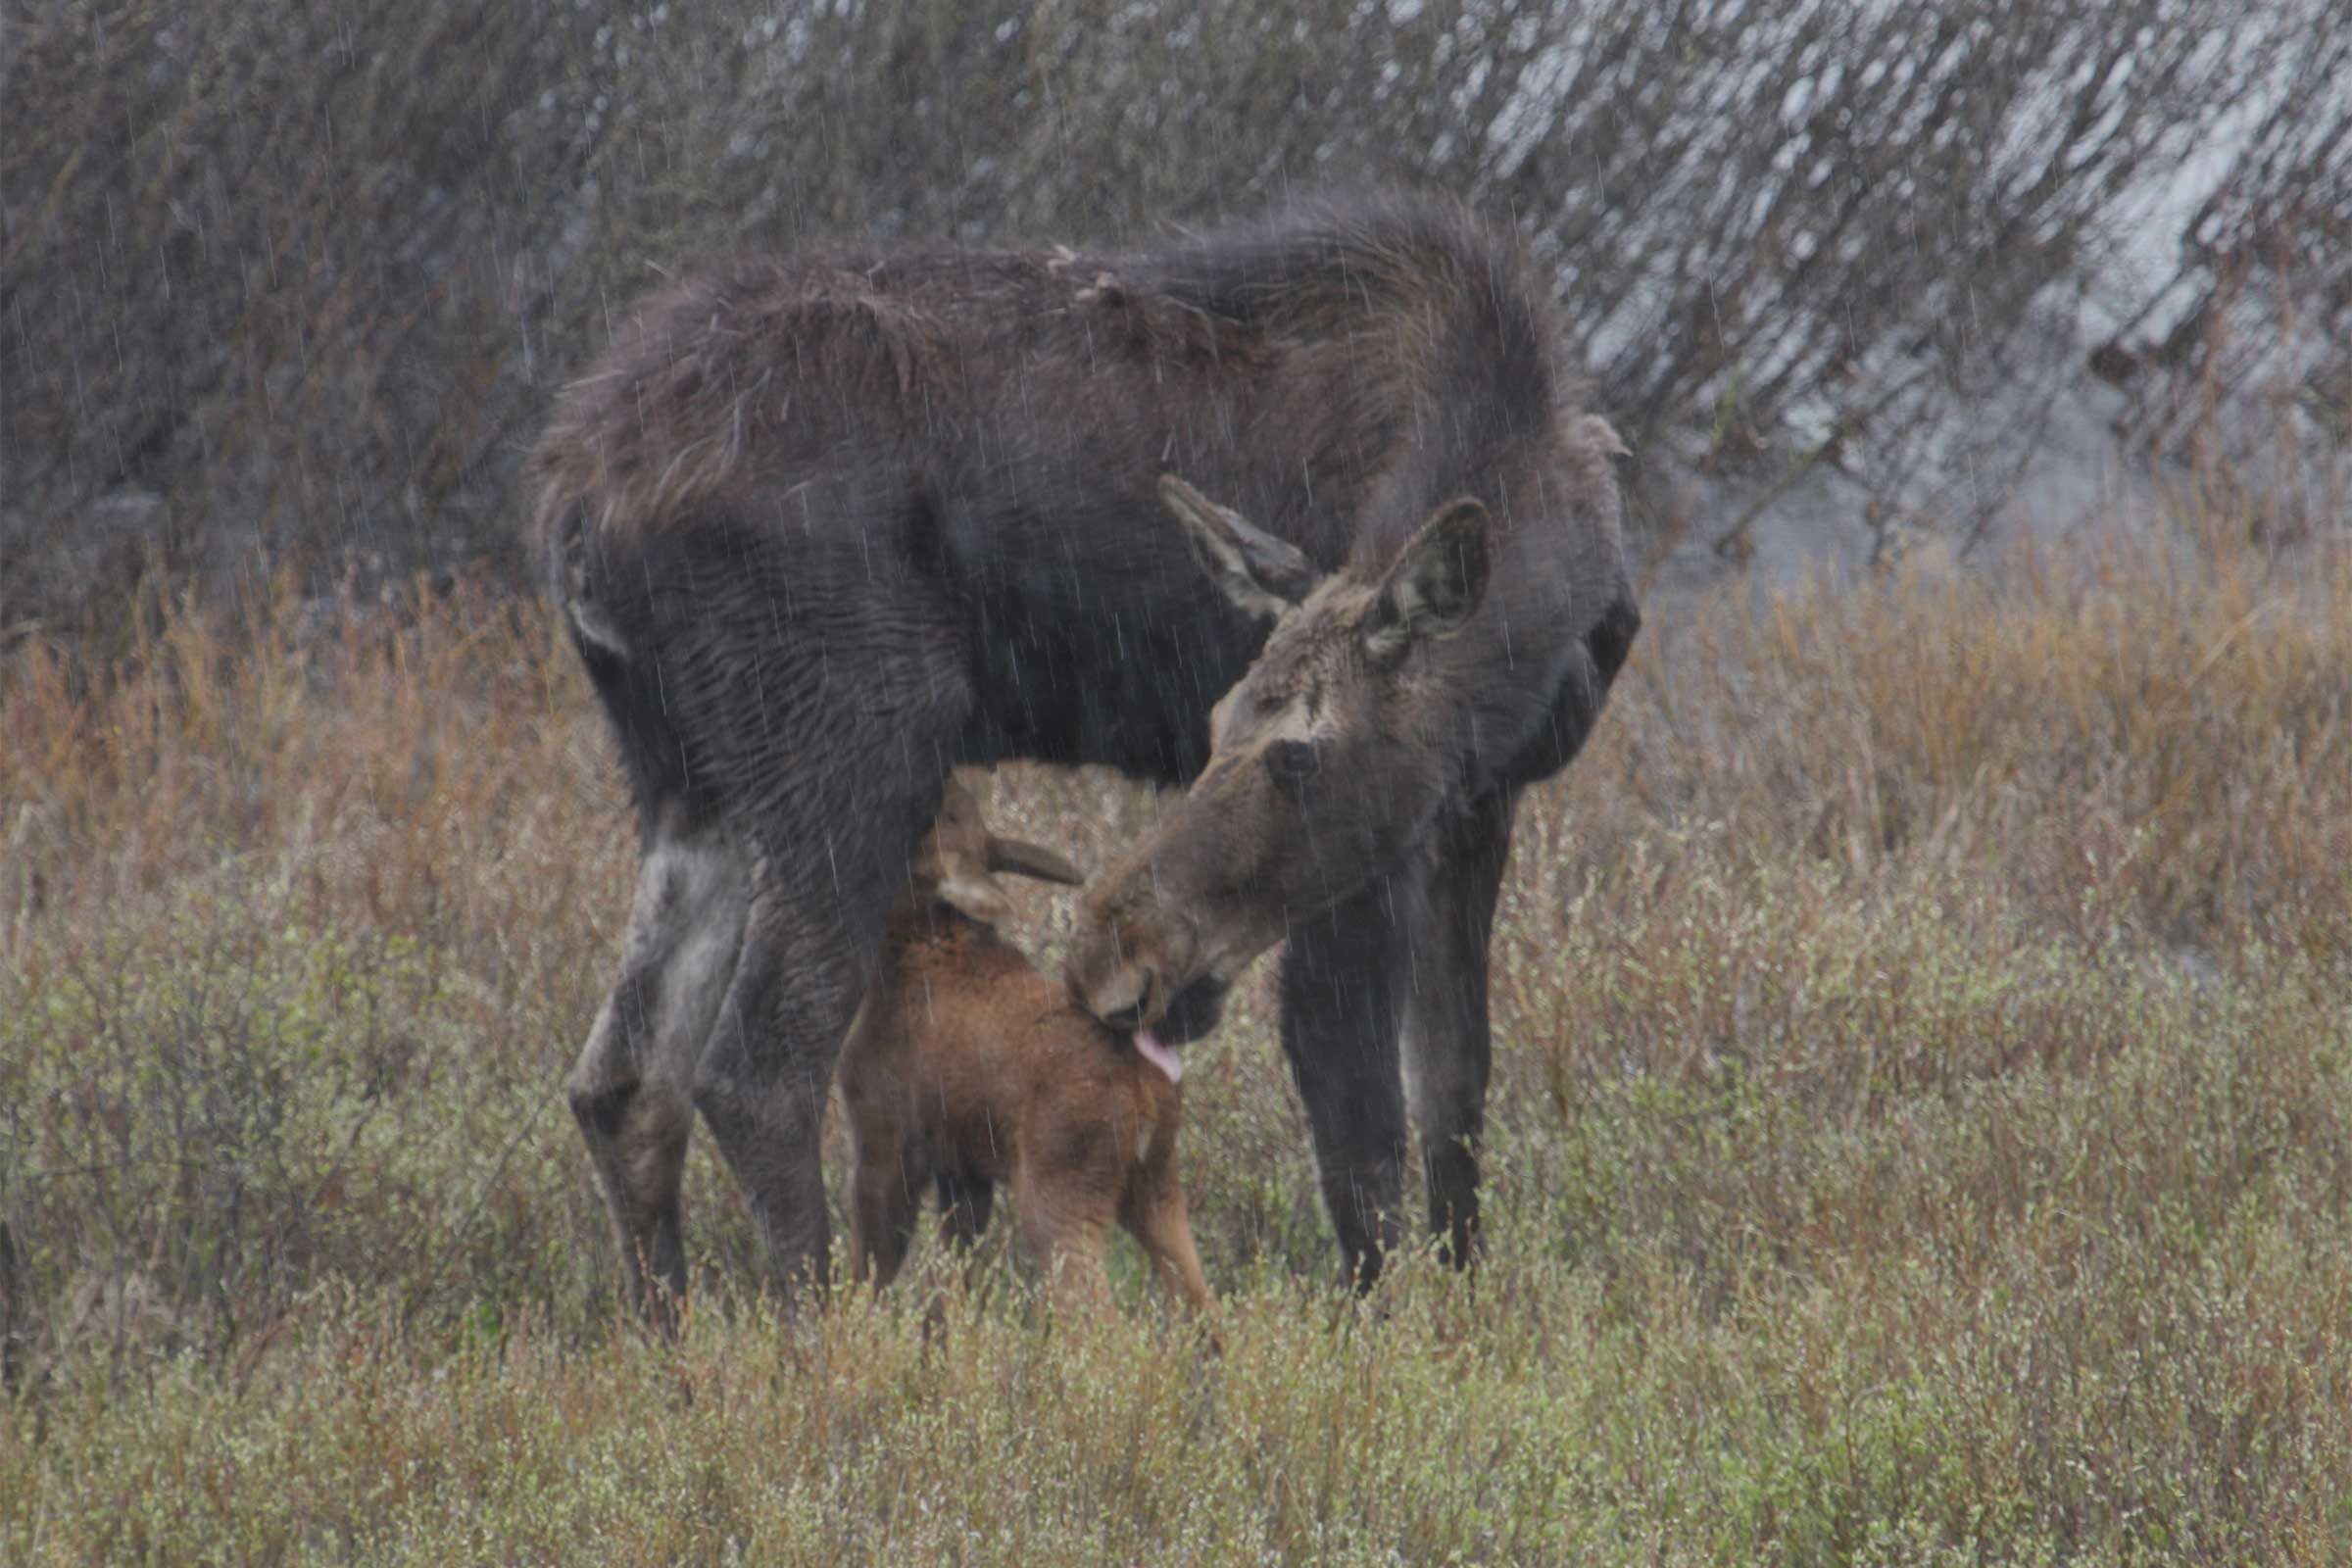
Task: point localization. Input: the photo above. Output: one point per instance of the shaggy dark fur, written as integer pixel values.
(824, 528)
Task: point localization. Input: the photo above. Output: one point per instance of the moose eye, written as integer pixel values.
(1291, 763)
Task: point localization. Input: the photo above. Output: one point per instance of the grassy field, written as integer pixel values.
(1922, 1135)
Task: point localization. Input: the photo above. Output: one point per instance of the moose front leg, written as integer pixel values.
(1338, 1030)
(1447, 1042)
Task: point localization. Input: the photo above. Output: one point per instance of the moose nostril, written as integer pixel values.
(1123, 1000)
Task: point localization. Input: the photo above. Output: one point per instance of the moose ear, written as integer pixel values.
(1261, 574)
(1016, 858)
(1436, 584)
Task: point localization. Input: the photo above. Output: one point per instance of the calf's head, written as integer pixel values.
(1325, 762)
(957, 861)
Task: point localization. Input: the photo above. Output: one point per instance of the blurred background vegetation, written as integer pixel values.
(292, 284)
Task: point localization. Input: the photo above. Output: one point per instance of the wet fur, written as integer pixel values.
(825, 527)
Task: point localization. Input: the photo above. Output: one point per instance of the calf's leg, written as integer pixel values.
(884, 1205)
(1065, 1233)
(966, 1202)
(1157, 1218)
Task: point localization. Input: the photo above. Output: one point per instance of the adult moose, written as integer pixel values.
(824, 528)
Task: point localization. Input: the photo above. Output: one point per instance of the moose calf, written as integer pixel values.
(967, 1067)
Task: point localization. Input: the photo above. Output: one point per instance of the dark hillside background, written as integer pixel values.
(292, 284)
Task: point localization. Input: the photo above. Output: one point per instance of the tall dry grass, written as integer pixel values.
(1922, 1131)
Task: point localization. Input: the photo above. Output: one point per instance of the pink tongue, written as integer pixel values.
(1148, 1045)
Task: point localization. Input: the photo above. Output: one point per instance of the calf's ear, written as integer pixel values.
(1259, 574)
(975, 893)
(1436, 584)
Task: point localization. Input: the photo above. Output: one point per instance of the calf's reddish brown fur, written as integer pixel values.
(967, 1068)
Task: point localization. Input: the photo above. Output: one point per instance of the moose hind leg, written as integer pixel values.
(827, 708)
(630, 1092)
(1338, 1030)
(1448, 1041)
(819, 889)
(764, 1076)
